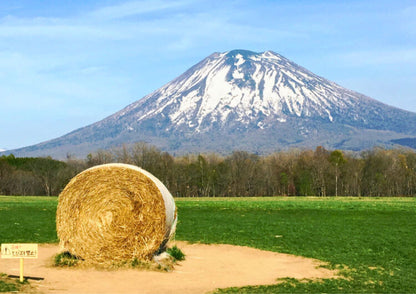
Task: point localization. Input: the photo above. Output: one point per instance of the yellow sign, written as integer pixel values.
(22, 250)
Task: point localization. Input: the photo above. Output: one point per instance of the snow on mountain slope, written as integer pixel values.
(247, 85)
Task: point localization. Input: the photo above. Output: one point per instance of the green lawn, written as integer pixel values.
(28, 219)
(373, 239)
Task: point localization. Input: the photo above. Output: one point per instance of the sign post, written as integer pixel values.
(21, 251)
(21, 269)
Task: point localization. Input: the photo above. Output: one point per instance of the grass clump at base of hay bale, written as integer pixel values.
(66, 259)
(176, 253)
(163, 261)
(115, 212)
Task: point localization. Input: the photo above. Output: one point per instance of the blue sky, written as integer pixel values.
(66, 64)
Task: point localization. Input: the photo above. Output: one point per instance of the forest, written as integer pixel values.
(320, 172)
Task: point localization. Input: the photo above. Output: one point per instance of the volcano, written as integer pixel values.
(242, 100)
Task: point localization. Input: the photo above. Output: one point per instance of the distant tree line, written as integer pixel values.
(35, 176)
(319, 172)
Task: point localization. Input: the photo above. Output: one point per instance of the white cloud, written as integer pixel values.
(377, 57)
(58, 29)
(132, 8)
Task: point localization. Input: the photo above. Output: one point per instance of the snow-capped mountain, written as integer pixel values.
(259, 102)
(250, 89)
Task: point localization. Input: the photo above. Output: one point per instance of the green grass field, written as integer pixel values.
(372, 240)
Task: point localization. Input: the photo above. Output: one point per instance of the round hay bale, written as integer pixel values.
(115, 212)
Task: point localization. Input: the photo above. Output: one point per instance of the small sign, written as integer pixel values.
(23, 250)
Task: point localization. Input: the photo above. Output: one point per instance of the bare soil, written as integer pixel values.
(206, 268)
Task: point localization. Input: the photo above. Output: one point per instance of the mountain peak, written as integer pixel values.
(244, 84)
(251, 54)
(242, 52)
(241, 99)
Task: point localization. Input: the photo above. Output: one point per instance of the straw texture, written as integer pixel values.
(115, 212)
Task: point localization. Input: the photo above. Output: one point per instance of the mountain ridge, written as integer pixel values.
(239, 99)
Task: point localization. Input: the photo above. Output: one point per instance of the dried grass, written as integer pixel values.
(114, 212)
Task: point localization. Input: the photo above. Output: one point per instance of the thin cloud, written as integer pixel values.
(57, 29)
(134, 8)
(378, 57)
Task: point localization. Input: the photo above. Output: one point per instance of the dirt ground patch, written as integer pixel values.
(206, 268)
